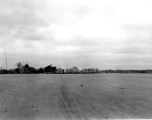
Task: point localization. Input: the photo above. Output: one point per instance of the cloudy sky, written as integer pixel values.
(83, 33)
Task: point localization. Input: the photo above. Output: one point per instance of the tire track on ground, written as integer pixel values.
(62, 104)
(70, 102)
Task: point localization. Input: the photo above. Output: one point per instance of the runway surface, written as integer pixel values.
(75, 97)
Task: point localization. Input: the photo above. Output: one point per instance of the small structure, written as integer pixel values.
(91, 70)
(60, 71)
(74, 70)
(84, 71)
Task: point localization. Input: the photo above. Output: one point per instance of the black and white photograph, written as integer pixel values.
(75, 59)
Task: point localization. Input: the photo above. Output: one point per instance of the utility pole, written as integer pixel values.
(5, 59)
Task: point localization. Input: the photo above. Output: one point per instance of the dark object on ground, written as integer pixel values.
(122, 88)
(81, 85)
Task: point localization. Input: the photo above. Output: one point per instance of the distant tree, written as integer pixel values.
(18, 65)
(50, 69)
(40, 70)
(26, 66)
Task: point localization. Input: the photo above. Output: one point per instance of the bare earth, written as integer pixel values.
(75, 97)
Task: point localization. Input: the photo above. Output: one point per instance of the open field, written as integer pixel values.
(75, 96)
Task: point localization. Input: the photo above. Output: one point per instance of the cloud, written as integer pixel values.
(16, 20)
(138, 40)
(80, 10)
(104, 33)
(64, 13)
(33, 34)
(7, 6)
(19, 19)
(21, 25)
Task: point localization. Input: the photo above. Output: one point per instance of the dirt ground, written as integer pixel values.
(75, 97)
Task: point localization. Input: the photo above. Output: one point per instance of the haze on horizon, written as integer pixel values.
(83, 33)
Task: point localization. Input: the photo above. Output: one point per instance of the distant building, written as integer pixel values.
(74, 70)
(66, 70)
(91, 70)
(97, 70)
(84, 71)
(60, 70)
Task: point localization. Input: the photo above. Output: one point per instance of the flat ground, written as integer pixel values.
(75, 97)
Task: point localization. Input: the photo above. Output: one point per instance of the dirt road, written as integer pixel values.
(75, 97)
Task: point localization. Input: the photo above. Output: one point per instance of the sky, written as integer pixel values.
(103, 34)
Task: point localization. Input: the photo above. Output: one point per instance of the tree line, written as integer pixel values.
(25, 68)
